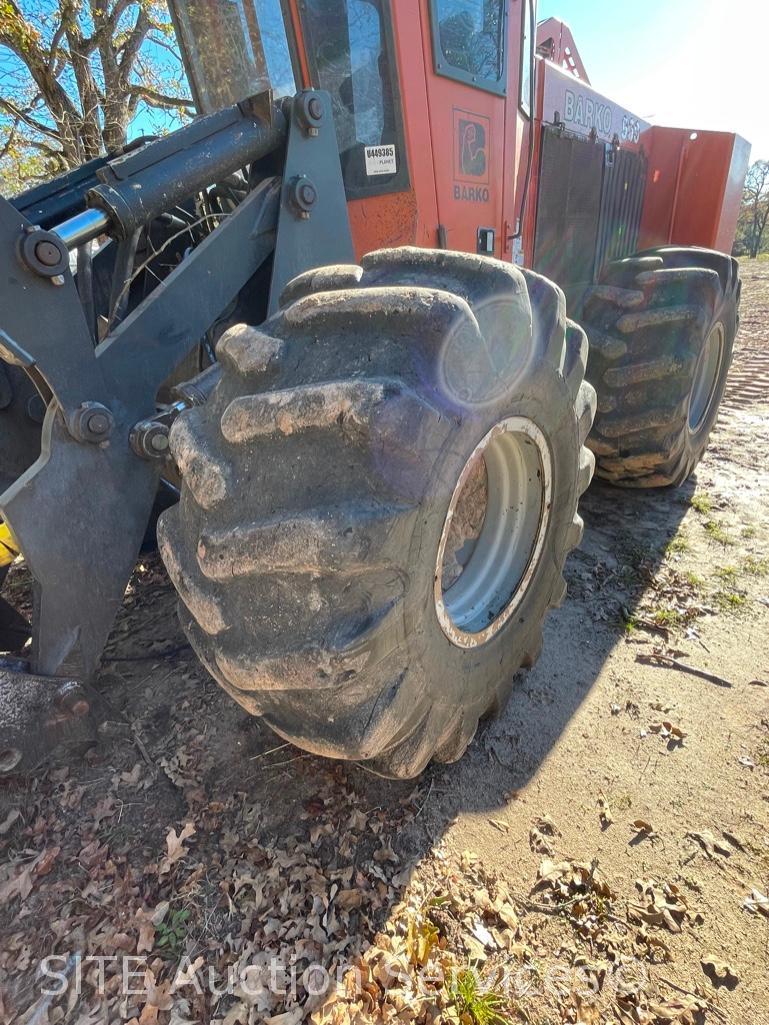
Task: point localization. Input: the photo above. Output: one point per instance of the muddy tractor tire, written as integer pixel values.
(378, 501)
(661, 327)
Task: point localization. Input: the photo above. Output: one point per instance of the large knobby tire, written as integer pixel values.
(661, 327)
(317, 483)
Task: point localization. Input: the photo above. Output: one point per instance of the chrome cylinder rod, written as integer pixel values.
(82, 228)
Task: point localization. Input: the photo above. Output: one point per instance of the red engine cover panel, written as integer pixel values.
(693, 188)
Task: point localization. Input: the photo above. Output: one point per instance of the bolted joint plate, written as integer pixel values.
(36, 714)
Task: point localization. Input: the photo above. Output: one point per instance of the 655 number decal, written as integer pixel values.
(631, 128)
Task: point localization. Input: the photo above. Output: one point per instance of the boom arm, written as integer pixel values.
(80, 512)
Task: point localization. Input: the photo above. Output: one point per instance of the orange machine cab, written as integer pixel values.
(459, 129)
(447, 71)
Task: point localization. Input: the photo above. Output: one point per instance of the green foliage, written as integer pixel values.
(717, 533)
(756, 567)
(677, 545)
(730, 601)
(752, 237)
(472, 1002)
(728, 574)
(702, 503)
(171, 933)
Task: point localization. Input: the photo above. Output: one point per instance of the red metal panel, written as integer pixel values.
(732, 198)
(409, 217)
(693, 187)
(467, 137)
(555, 39)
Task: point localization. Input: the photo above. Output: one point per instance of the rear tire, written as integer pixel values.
(316, 487)
(661, 327)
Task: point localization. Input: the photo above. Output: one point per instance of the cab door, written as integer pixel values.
(465, 45)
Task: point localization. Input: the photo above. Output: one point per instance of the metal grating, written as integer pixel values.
(588, 209)
(568, 208)
(624, 180)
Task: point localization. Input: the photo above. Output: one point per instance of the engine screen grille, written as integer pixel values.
(624, 179)
(568, 208)
(588, 209)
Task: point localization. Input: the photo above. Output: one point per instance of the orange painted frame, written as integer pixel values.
(692, 195)
(429, 213)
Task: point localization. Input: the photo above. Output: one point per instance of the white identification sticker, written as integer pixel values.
(380, 160)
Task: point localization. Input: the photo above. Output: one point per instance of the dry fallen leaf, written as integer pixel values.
(9, 820)
(546, 825)
(668, 731)
(46, 860)
(678, 1009)
(642, 826)
(664, 905)
(604, 812)
(421, 937)
(710, 844)
(500, 825)
(19, 885)
(718, 971)
(386, 853)
(292, 1017)
(175, 846)
(347, 899)
(757, 902)
(540, 843)
(644, 830)
(132, 778)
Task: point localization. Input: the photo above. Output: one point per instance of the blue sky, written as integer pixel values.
(689, 63)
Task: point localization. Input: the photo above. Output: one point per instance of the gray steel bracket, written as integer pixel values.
(311, 233)
(80, 511)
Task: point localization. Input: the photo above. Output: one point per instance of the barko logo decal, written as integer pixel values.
(472, 140)
(472, 148)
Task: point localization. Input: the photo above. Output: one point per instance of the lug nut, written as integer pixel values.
(159, 442)
(91, 422)
(308, 194)
(47, 253)
(97, 423)
(149, 439)
(303, 195)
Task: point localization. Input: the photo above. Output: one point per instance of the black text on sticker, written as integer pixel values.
(380, 160)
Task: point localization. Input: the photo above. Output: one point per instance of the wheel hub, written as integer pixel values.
(494, 532)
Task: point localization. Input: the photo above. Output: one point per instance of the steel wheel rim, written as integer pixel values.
(507, 550)
(705, 377)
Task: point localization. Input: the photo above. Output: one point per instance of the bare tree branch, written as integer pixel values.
(156, 99)
(7, 145)
(88, 66)
(31, 122)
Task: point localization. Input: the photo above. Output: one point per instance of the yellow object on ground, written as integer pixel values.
(8, 547)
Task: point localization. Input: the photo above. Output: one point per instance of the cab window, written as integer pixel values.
(350, 48)
(469, 41)
(233, 49)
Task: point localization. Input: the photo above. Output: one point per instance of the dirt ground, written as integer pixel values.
(601, 854)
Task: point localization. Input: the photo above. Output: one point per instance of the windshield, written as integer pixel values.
(233, 49)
